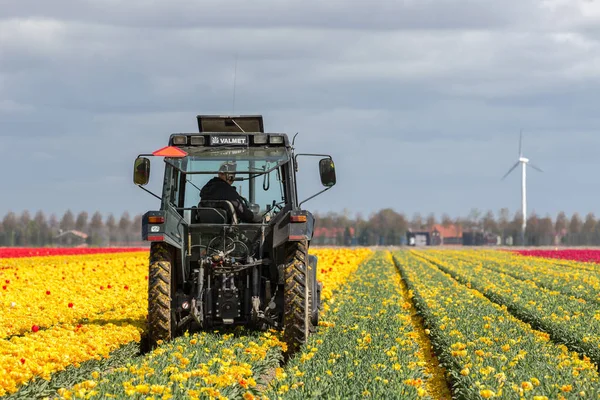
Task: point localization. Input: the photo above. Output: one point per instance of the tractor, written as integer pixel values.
(207, 268)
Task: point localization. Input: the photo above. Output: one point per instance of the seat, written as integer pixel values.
(214, 212)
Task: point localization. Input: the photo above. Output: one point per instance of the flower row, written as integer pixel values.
(583, 255)
(367, 345)
(581, 283)
(567, 319)
(487, 351)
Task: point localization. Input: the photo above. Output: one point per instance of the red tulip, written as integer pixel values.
(70, 305)
(582, 255)
(35, 328)
(126, 287)
(15, 252)
(22, 361)
(47, 292)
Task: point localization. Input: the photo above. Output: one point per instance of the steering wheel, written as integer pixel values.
(245, 201)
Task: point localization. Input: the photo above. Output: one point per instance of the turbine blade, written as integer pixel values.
(520, 143)
(510, 170)
(534, 167)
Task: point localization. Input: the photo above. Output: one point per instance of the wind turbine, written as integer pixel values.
(524, 162)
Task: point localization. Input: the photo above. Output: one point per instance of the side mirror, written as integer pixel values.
(141, 171)
(327, 171)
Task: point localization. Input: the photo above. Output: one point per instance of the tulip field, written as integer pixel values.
(396, 323)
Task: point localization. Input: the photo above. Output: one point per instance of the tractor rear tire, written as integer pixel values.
(296, 297)
(161, 326)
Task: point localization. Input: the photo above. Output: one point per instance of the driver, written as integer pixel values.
(220, 188)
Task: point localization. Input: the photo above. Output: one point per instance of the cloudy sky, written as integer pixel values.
(420, 102)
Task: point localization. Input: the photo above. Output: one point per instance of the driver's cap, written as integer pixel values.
(228, 167)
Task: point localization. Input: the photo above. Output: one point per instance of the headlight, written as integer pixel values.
(275, 139)
(260, 139)
(180, 140)
(197, 140)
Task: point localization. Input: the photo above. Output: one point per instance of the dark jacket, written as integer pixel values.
(218, 189)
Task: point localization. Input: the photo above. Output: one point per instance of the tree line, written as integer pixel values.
(389, 227)
(39, 230)
(384, 227)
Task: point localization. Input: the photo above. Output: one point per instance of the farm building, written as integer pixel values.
(445, 235)
(334, 236)
(71, 238)
(418, 238)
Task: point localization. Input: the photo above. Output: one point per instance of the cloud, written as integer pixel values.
(419, 102)
(337, 14)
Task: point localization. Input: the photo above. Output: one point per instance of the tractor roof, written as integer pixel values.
(231, 123)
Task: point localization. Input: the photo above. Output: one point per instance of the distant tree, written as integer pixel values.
(596, 237)
(588, 228)
(24, 229)
(113, 230)
(561, 226)
(575, 226)
(96, 230)
(546, 231)
(53, 227)
(136, 228)
(532, 230)
(42, 232)
(446, 220)
(431, 221)
(124, 227)
(461, 224)
(472, 222)
(68, 221)
(389, 226)
(489, 222)
(10, 228)
(81, 223)
(515, 228)
(416, 223)
(503, 223)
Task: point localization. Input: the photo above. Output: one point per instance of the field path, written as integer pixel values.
(436, 384)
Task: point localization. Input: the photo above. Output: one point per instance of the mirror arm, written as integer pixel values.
(310, 155)
(143, 188)
(314, 195)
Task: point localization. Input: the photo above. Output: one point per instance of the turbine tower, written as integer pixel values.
(524, 162)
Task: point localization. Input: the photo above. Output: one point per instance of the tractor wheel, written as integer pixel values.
(160, 323)
(296, 297)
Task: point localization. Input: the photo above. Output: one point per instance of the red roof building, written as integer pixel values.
(335, 235)
(450, 234)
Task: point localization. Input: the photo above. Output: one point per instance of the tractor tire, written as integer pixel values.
(161, 326)
(296, 297)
